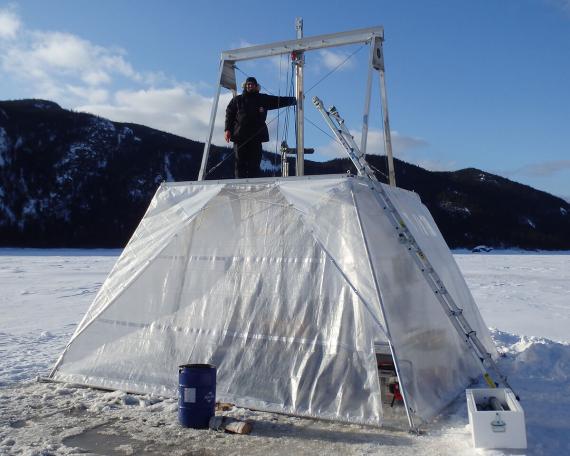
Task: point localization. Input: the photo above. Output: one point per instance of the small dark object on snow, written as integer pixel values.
(223, 406)
(482, 249)
(232, 425)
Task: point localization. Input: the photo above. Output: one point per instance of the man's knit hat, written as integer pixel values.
(251, 79)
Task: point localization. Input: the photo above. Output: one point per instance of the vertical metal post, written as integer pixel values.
(364, 138)
(284, 165)
(208, 142)
(299, 93)
(379, 55)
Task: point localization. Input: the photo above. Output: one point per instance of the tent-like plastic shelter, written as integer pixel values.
(285, 285)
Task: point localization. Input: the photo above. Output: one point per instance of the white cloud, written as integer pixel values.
(90, 94)
(41, 57)
(180, 110)
(60, 50)
(85, 76)
(9, 24)
(243, 43)
(332, 60)
(64, 67)
(77, 73)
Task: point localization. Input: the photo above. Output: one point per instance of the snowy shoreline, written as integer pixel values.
(510, 252)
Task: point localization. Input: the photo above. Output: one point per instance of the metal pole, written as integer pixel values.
(364, 138)
(208, 142)
(387, 135)
(300, 60)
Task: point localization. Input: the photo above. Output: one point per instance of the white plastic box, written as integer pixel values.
(496, 428)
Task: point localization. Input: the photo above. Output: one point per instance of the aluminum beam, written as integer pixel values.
(305, 44)
(208, 142)
(365, 115)
(300, 96)
(387, 133)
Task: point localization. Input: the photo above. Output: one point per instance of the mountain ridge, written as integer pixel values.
(73, 179)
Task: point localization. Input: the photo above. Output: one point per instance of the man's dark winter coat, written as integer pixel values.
(246, 115)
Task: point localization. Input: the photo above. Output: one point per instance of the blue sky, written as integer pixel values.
(482, 84)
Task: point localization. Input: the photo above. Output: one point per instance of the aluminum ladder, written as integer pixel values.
(451, 309)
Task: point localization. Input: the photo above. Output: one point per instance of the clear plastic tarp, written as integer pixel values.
(284, 285)
(435, 364)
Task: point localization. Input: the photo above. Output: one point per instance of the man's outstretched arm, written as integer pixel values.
(275, 102)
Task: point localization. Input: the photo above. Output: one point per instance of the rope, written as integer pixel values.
(323, 131)
(320, 80)
(377, 170)
(289, 93)
(334, 69)
(212, 169)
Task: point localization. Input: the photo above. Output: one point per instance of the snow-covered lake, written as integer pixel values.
(525, 298)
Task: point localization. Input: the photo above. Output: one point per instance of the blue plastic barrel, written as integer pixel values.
(196, 394)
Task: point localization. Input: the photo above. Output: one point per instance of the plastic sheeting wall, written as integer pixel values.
(272, 282)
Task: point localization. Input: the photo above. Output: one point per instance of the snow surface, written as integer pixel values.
(168, 174)
(529, 222)
(526, 298)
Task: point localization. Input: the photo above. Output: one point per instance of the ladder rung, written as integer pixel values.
(486, 357)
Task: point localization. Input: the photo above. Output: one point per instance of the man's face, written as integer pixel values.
(250, 87)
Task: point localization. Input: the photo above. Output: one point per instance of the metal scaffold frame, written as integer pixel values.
(373, 36)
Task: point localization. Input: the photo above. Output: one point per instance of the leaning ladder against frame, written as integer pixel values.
(373, 36)
(451, 309)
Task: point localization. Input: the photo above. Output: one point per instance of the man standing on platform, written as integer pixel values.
(245, 126)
